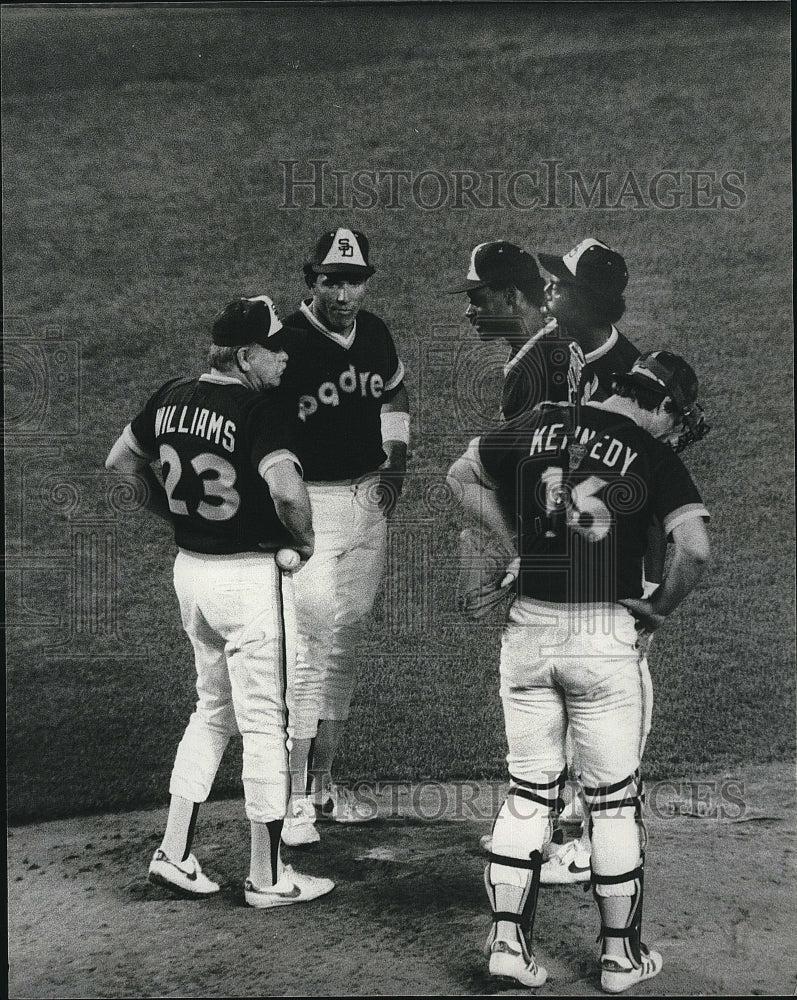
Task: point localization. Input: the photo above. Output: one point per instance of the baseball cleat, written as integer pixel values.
(618, 975)
(567, 865)
(292, 887)
(185, 878)
(299, 826)
(337, 804)
(507, 961)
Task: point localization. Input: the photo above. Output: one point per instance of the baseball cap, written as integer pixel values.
(499, 264)
(665, 374)
(669, 375)
(341, 251)
(246, 321)
(592, 265)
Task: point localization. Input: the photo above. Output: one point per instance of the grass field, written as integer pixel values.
(143, 188)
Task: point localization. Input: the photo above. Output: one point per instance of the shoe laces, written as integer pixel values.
(187, 867)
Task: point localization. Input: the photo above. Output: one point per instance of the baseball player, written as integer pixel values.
(505, 293)
(234, 495)
(587, 483)
(584, 298)
(352, 442)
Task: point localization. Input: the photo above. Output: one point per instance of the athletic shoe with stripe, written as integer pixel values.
(292, 887)
(513, 961)
(618, 975)
(185, 877)
(567, 865)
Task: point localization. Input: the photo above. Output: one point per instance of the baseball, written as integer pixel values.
(288, 559)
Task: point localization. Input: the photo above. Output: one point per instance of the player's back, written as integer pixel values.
(214, 437)
(585, 483)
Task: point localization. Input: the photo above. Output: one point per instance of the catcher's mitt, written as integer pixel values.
(487, 573)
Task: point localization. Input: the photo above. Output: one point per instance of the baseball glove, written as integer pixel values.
(487, 573)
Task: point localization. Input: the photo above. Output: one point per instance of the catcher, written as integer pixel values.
(508, 300)
(586, 485)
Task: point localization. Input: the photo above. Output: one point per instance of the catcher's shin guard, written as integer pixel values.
(618, 842)
(526, 911)
(521, 830)
(632, 932)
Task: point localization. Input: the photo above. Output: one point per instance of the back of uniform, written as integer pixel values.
(548, 367)
(216, 438)
(586, 484)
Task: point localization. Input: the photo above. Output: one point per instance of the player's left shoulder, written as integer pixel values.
(661, 458)
(368, 322)
(294, 335)
(625, 350)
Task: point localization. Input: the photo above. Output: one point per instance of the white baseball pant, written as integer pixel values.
(335, 592)
(578, 666)
(238, 612)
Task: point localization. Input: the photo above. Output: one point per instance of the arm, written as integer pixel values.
(692, 549)
(124, 460)
(469, 481)
(292, 504)
(655, 555)
(395, 440)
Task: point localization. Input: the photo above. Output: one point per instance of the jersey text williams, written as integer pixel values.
(204, 423)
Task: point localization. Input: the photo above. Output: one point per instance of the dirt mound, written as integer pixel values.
(408, 915)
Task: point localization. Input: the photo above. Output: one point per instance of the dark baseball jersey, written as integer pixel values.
(548, 367)
(339, 381)
(584, 484)
(618, 354)
(216, 438)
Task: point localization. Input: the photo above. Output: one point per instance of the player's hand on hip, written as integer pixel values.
(647, 620)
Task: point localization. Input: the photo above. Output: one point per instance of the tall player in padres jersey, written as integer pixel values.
(586, 483)
(352, 442)
(234, 494)
(505, 293)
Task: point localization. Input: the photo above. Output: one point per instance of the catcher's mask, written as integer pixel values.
(669, 375)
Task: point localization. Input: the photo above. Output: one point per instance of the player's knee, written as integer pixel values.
(523, 827)
(315, 613)
(617, 834)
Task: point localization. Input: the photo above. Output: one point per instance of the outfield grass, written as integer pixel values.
(142, 190)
